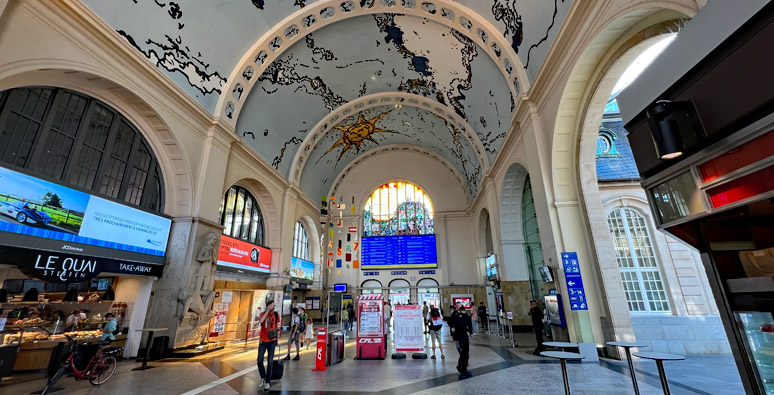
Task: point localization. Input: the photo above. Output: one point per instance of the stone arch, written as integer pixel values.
(338, 115)
(452, 14)
(178, 178)
(269, 209)
(485, 240)
(511, 227)
(616, 33)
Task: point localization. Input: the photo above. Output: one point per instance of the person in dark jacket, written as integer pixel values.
(462, 327)
(537, 325)
(483, 316)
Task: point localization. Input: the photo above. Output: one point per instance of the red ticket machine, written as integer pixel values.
(370, 327)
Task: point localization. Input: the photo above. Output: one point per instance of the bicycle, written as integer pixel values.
(99, 366)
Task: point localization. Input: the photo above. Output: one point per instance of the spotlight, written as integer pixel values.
(673, 124)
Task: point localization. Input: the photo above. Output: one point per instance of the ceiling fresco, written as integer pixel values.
(387, 125)
(389, 53)
(196, 43)
(200, 44)
(529, 26)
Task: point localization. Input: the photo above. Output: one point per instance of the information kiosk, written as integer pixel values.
(371, 342)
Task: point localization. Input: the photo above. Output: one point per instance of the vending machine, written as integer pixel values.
(371, 342)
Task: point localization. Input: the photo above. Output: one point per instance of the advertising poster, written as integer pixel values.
(33, 207)
(301, 269)
(240, 254)
(407, 320)
(370, 322)
(219, 327)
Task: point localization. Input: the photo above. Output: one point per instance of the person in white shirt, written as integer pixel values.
(434, 321)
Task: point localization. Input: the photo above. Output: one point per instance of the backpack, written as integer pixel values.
(436, 321)
(302, 324)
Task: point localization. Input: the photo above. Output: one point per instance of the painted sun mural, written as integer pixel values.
(355, 134)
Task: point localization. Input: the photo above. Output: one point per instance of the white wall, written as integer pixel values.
(135, 292)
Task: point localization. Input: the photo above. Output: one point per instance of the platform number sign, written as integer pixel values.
(572, 276)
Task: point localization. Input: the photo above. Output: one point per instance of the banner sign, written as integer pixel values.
(33, 207)
(370, 327)
(302, 269)
(408, 328)
(572, 276)
(243, 255)
(57, 267)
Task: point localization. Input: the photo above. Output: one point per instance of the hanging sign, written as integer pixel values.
(353, 229)
(399, 273)
(572, 276)
(427, 272)
(370, 273)
(408, 328)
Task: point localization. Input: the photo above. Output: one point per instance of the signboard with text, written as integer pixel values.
(238, 254)
(409, 330)
(572, 275)
(370, 327)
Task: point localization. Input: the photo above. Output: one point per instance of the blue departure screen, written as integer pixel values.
(392, 252)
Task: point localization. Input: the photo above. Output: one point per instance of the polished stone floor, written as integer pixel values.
(497, 370)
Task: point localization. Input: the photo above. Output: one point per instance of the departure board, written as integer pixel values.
(393, 252)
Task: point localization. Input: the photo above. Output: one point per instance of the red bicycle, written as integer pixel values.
(85, 361)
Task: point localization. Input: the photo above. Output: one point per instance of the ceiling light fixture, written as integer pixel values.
(672, 125)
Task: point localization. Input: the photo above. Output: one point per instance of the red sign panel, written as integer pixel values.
(353, 229)
(243, 255)
(370, 321)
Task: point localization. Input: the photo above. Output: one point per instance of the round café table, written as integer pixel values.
(660, 357)
(563, 356)
(561, 345)
(627, 347)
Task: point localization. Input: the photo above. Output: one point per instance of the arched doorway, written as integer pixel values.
(369, 287)
(533, 250)
(513, 263)
(400, 292)
(428, 291)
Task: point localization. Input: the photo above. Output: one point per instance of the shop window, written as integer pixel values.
(606, 144)
(398, 208)
(300, 242)
(63, 135)
(639, 269)
(241, 216)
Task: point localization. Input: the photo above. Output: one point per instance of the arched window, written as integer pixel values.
(371, 287)
(241, 216)
(65, 136)
(637, 262)
(398, 208)
(300, 242)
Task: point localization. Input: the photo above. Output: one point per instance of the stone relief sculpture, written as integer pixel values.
(198, 297)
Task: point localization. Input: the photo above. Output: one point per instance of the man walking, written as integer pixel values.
(434, 321)
(270, 332)
(461, 329)
(295, 326)
(537, 325)
(483, 315)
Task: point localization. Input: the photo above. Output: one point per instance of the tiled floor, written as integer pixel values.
(497, 370)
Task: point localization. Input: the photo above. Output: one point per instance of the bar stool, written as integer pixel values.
(660, 357)
(627, 347)
(563, 356)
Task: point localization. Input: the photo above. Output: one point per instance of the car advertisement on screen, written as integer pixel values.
(33, 207)
(301, 269)
(241, 255)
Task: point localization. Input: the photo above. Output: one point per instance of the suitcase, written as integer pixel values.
(277, 368)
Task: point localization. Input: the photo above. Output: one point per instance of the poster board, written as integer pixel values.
(409, 330)
(219, 326)
(554, 311)
(370, 327)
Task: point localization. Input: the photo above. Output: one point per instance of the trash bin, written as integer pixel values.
(335, 348)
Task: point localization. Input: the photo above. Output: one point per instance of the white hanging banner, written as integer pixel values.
(408, 328)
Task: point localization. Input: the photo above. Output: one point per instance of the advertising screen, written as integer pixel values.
(399, 252)
(491, 267)
(465, 301)
(301, 269)
(54, 214)
(340, 288)
(238, 254)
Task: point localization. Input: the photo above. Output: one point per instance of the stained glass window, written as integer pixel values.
(398, 208)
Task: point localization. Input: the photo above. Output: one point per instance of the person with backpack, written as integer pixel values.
(271, 329)
(302, 324)
(434, 322)
(295, 331)
(461, 327)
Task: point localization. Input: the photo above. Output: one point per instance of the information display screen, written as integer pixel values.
(392, 252)
(65, 219)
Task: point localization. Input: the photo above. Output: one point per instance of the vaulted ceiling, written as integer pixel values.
(312, 85)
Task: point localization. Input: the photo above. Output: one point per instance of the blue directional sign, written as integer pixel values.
(370, 273)
(427, 272)
(399, 273)
(572, 276)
